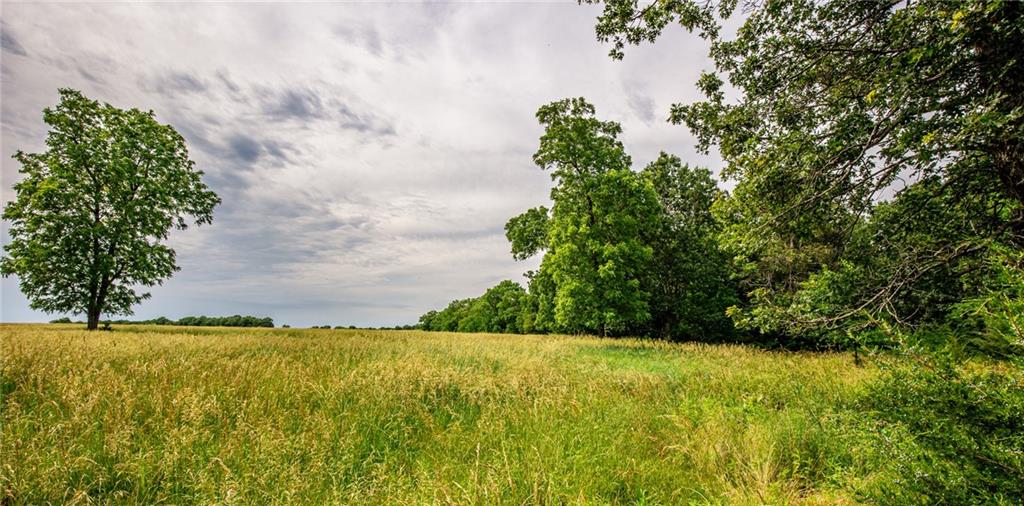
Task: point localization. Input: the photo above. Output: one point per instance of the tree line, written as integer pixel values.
(875, 151)
(624, 252)
(191, 321)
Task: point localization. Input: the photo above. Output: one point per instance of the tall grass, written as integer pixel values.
(186, 415)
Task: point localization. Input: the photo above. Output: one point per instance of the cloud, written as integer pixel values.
(245, 148)
(364, 123)
(278, 150)
(225, 80)
(9, 43)
(364, 37)
(297, 104)
(641, 105)
(82, 71)
(169, 83)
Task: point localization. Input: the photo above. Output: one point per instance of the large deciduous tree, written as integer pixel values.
(841, 106)
(600, 253)
(94, 209)
(598, 230)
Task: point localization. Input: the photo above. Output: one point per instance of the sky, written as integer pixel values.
(367, 155)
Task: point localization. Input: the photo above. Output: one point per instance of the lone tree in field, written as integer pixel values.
(93, 210)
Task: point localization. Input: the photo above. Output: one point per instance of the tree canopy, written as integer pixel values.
(841, 107)
(691, 282)
(498, 310)
(94, 209)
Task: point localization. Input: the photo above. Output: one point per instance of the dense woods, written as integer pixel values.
(624, 252)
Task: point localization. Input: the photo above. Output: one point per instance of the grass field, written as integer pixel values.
(212, 415)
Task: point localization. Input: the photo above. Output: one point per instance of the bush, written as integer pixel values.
(946, 432)
(993, 320)
(61, 320)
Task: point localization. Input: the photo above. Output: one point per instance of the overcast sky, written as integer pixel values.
(368, 155)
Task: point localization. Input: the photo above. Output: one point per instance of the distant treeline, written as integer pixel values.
(192, 321)
(502, 309)
(353, 327)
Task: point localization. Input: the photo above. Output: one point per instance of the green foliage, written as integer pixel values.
(528, 232)
(503, 305)
(599, 226)
(163, 320)
(994, 318)
(93, 210)
(842, 105)
(600, 252)
(602, 214)
(576, 145)
(596, 235)
(829, 89)
(624, 252)
(870, 283)
(946, 433)
(64, 319)
(498, 310)
(690, 282)
(201, 321)
(539, 306)
(224, 321)
(446, 320)
(771, 263)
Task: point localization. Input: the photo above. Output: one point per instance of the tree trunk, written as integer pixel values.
(93, 317)
(96, 307)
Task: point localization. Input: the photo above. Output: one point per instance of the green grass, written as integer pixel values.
(188, 415)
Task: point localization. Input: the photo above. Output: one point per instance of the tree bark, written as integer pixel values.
(93, 317)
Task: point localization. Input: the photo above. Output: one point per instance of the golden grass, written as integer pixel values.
(189, 415)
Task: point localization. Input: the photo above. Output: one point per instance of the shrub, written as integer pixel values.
(994, 319)
(947, 432)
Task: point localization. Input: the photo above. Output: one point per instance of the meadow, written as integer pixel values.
(148, 414)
